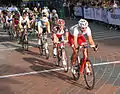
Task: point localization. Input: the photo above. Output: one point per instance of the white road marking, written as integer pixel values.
(51, 70)
(106, 63)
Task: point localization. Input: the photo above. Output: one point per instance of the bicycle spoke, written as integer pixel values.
(89, 75)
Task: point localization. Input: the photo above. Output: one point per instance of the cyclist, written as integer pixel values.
(58, 34)
(32, 20)
(76, 38)
(15, 23)
(45, 10)
(5, 13)
(24, 24)
(43, 25)
(53, 15)
(9, 21)
(53, 18)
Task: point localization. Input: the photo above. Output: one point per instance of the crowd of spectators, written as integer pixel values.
(70, 4)
(98, 3)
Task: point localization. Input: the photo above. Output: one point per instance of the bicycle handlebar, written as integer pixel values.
(86, 45)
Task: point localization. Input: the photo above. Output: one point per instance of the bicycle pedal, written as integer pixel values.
(88, 73)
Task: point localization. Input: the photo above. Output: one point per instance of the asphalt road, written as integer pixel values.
(26, 72)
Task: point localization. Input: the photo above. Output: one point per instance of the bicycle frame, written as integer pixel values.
(44, 44)
(62, 56)
(85, 57)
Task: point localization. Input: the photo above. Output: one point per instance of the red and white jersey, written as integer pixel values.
(58, 31)
(75, 31)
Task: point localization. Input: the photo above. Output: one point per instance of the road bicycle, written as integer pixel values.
(24, 39)
(43, 44)
(62, 57)
(10, 30)
(85, 66)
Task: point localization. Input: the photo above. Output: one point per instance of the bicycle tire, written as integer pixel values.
(76, 69)
(47, 53)
(92, 74)
(26, 45)
(11, 34)
(40, 50)
(65, 66)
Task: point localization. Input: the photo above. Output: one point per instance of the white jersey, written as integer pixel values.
(75, 31)
(53, 15)
(24, 20)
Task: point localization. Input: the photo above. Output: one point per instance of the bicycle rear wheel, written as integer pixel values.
(26, 45)
(65, 61)
(47, 53)
(76, 69)
(41, 49)
(89, 74)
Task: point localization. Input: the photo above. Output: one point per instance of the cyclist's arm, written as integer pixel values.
(28, 23)
(66, 33)
(66, 36)
(90, 40)
(39, 27)
(20, 23)
(75, 42)
(48, 27)
(75, 34)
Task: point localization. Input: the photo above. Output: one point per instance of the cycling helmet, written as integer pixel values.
(54, 11)
(60, 22)
(82, 23)
(44, 10)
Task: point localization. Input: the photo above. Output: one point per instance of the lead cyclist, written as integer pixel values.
(76, 38)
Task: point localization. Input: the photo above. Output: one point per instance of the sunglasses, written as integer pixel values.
(83, 28)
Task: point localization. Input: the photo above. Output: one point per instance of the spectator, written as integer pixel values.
(71, 6)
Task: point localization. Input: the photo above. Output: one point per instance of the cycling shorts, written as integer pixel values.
(80, 40)
(60, 37)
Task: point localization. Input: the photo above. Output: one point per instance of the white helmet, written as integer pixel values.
(44, 10)
(83, 23)
(54, 11)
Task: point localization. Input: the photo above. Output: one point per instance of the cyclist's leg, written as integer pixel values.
(21, 31)
(46, 43)
(71, 43)
(55, 40)
(81, 42)
(26, 34)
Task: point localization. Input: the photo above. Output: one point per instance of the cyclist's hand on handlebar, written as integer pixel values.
(95, 48)
(65, 41)
(39, 35)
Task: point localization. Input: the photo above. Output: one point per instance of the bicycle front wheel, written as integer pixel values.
(65, 60)
(89, 74)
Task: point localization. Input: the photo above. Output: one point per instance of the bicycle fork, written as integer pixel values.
(46, 47)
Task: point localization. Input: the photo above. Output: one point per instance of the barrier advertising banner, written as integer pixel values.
(100, 14)
(104, 15)
(78, 11)
(88, 13)
(97, 14)
(114, 17)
